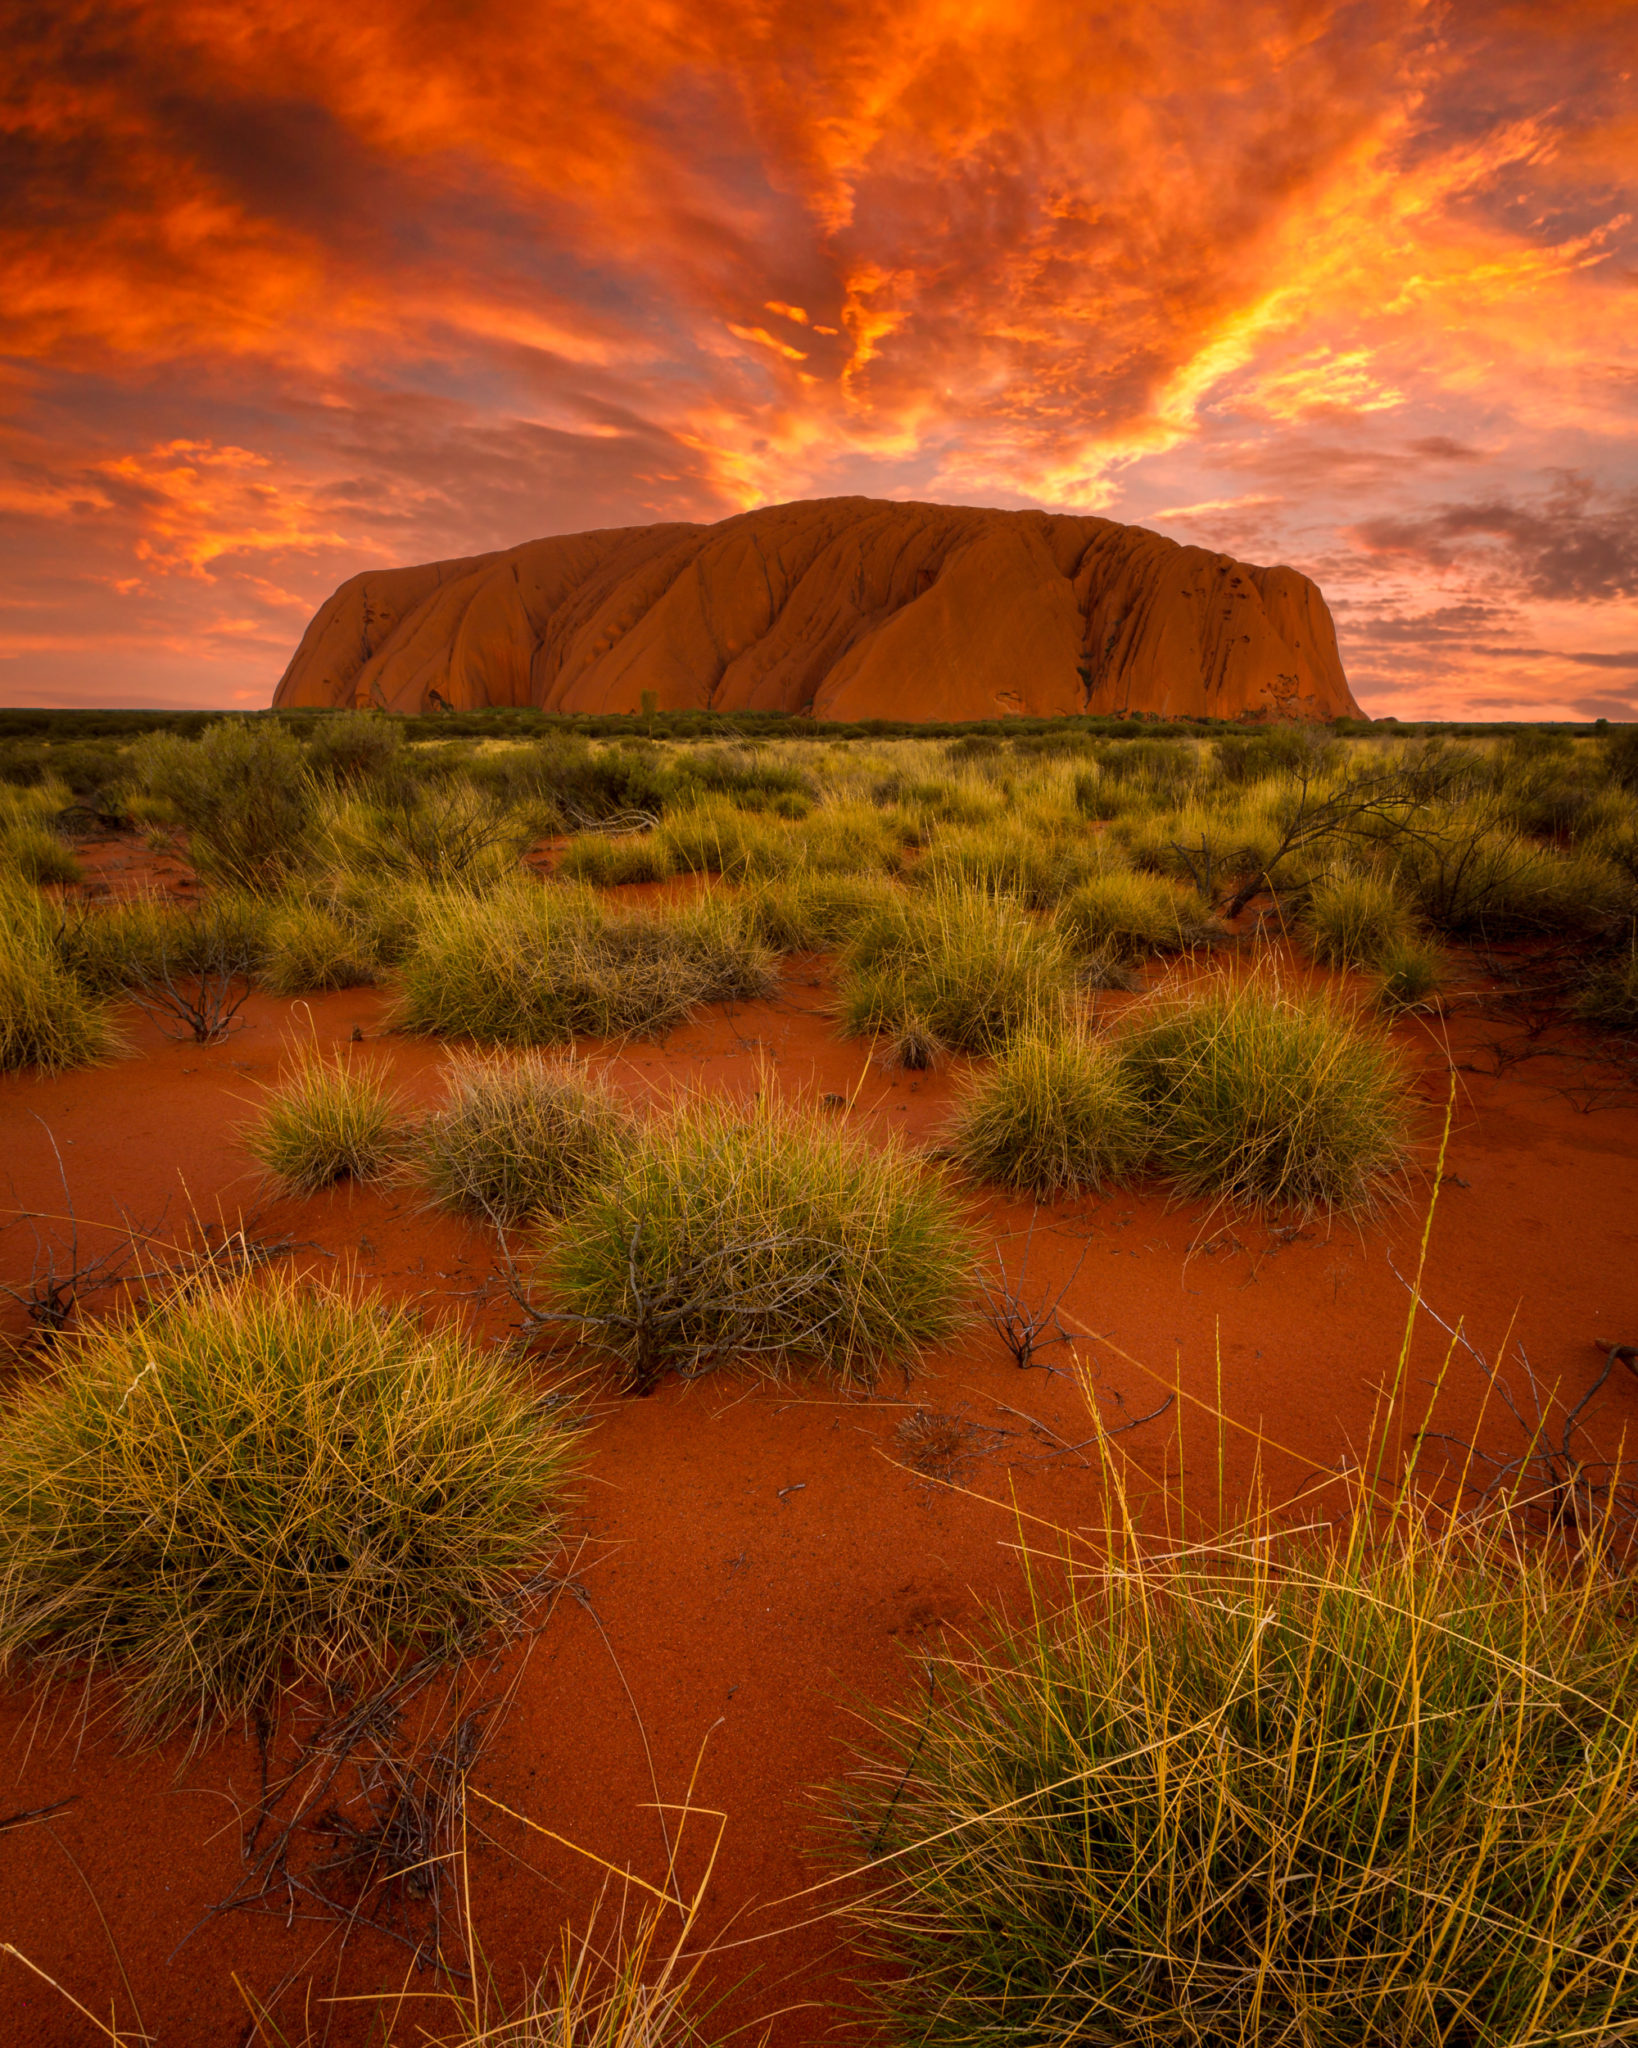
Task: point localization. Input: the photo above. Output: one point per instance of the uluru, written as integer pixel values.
(838, 608)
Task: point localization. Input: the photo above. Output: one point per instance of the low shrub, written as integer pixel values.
(1259, 1097)
(354, 746)
(1379, 1796)
(1054, 1116)
(333, 1119)
(749, 777)
(974, 970)
(264, 1481)
(48, 1018)
(1621, 757)
(1122, 916)
(757, 1233)
(520, 1136)
(591, 785)
(242, 793)
(1356, 920)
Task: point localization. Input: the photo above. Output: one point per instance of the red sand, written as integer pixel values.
(755, 1559)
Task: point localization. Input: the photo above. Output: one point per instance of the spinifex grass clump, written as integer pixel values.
(34, 853)
(1408, 975)
(814, 913)
(521, 1136)
(533, 965)
(261, 1481)
(608, 862)
(309, 947)
(48, 1019)
(1268, 1099)
(1357, 920)
(1055, 1115)
(972, 969)
(760, 1233)
(1037, 867)
(1384, 1796)
(334, 1119)
(1124, 916)
(1473, 879)
(1608, 994)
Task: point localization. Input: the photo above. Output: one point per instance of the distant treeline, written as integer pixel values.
(60, 727)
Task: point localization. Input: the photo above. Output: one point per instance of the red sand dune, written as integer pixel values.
(757, 1558)
(841, 608)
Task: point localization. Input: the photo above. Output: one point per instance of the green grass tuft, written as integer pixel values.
(608, 863)
(1056, 1115)
(1125, 917)
(1608, 994)
(307, 947)
(1269, 1099)
(760, 1234)
(533, 965)
(334, 1119)
(1357, 920)
(1409, 975)
(814, 913)
(521, 1136)
(34, 853)
(1384, 1796)
(973, 970)
(263, 1481)
(48, 1019)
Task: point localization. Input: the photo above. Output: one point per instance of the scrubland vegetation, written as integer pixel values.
(1374, 1790)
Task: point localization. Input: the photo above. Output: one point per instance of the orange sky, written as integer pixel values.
(292, 289)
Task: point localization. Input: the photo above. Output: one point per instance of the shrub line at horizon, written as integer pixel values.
(265, 1482)
(759, 1233)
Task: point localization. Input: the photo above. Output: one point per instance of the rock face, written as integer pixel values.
(841, 608)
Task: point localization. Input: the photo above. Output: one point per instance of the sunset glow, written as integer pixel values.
(293, 290)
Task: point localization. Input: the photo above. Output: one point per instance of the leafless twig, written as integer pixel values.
(1556, 1483)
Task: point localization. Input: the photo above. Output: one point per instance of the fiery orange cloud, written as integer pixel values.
(292, 290)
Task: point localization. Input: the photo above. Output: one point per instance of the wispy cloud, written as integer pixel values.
(293, 289)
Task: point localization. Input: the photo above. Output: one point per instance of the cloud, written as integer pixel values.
(1568, 545)
(291, 289)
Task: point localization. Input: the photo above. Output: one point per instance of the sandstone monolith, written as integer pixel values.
(840, 608)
